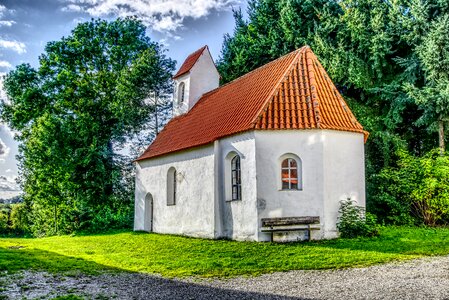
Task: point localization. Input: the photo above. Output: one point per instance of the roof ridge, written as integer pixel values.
(277, 86)
(187, 65)
(316, 101)
(203, 96)
(259, 68)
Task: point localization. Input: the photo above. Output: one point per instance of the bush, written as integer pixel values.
(19, 219)
(415, 191)
(353, 221)
(4, 222)
(109, 218)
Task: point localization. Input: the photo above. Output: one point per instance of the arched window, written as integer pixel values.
(171, 186)
(290, 170)
(236, 180)
(181, 92)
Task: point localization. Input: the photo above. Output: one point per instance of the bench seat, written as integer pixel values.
(308, 224)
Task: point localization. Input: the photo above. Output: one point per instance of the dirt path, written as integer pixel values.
(426, 278)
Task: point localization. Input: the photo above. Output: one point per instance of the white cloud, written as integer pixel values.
(4, 150)
(16, 46)
(5, 64)
(8, 171)
(160, 15)
(3, 11)
(8, 183)
(7, 23)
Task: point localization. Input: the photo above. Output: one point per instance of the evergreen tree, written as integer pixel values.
(384, 56)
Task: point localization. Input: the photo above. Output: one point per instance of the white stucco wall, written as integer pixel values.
(332, 170)
(181, 107)
(239, 217)
(202, 78)
(274, 202)
(203, 207)
(344, 174)
(332, 167)
(193, 213)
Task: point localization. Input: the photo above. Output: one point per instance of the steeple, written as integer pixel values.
(197, 76)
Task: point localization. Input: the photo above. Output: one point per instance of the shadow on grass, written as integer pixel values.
(144, 286)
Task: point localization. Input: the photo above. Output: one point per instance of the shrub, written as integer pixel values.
(353, 221)
(3, 222)
(19, 218)
(415, 191)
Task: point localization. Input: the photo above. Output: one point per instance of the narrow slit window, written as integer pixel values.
(171, 186)
(236, 181)
(289, 174)
(181, 92)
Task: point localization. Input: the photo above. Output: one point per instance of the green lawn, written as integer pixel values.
(182, 256)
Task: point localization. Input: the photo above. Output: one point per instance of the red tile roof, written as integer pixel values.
(189, 62)
(292, 92)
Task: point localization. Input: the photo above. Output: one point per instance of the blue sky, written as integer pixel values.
(26, 26)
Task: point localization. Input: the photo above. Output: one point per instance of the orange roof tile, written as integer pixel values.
(189, 62)
(292, 92)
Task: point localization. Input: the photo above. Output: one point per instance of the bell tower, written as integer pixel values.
(197, 76)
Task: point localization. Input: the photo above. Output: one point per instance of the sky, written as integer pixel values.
(183, 26)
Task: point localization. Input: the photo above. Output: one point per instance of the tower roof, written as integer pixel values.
(189, 62)
(291, 92)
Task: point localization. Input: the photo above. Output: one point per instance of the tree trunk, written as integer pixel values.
(110, 163)
(441, 136)
(156, 112)
(56, 221)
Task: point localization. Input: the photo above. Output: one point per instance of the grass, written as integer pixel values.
(182, 256)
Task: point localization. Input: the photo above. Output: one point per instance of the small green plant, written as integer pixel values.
(354, 222)
(68, 297)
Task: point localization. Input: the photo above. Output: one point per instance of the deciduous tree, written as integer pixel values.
(80, 105)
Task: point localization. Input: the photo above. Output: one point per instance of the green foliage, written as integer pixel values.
(354, 222)
(181, 256)
(416, 190)
(4, 219)
(14, 219)
(68, 297)
(75, 113)
(19, 219)
(389, 59)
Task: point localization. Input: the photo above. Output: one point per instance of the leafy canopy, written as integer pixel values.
(389, 59)
(75, 111)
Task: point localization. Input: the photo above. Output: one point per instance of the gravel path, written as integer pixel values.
(426, 278)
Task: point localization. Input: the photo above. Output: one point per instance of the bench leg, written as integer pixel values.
(309, 238)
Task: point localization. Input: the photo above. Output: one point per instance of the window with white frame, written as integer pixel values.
(236, 180)
(290, 174)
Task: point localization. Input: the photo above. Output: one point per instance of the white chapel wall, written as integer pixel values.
(344, 173)
(239, 216)
(272, 202)
(193, 213)
(181, 107)
(204, 77)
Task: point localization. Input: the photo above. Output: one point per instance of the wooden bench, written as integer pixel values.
(290, 224)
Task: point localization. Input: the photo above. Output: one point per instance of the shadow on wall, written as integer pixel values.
(228, 220)
(139, 286)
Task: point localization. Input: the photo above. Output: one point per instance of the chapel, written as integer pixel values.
(267, 156)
